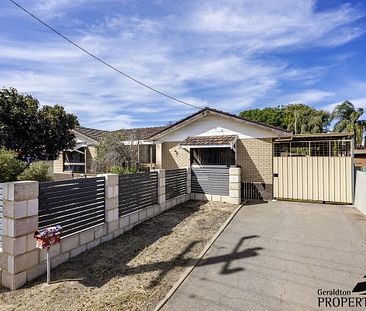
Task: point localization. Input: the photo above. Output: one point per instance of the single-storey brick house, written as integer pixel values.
(274, 163)
(213, 138)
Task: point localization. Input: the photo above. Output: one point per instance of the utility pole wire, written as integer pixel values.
(101, 60)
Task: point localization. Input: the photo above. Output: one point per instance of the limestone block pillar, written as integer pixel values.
(235, 185)
(20, 221)
(189, 179)
(111, 201)
(161, 188)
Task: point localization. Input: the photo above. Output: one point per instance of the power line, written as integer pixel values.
(101, 60)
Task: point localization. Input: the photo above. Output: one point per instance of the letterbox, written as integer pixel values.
(48, 236)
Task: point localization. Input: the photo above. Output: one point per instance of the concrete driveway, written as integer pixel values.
(275, 256)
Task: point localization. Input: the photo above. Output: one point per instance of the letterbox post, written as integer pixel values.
(48, 266)
(45, 238)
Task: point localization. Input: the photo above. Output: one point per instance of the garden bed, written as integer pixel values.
(132, 272)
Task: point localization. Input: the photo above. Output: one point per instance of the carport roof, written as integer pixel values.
(317, 136)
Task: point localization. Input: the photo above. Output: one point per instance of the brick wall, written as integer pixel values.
(174, 157)
(360, 160)
(58, 164)
(255, 158)
(91, 153)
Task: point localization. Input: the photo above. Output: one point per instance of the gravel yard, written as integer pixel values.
(131, 272)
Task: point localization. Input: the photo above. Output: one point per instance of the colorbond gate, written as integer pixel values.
(313, 171)
(210, 181)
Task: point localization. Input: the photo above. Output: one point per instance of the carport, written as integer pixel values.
(315, 167)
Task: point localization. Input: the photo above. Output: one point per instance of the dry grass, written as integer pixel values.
(131, 272)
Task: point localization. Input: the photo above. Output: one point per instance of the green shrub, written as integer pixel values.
(37, 171)
(122, 170)
(10, 165)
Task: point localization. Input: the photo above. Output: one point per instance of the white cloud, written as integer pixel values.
(272, 24)
(309, 97)
(214, 55)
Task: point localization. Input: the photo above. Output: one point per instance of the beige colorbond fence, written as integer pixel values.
(315, 178)
(360, 191)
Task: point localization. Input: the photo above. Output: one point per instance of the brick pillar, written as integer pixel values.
(111, 201)
(235, 185)
(20, 221)
(161, 188)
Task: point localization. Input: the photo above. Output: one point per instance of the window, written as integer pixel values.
(213, 156)
(74, 161)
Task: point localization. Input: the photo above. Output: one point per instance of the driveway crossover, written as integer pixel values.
(275, 256)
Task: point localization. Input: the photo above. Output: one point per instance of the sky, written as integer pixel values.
(230, 55)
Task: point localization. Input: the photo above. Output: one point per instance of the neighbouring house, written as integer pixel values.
(80, 158)
(360, 159)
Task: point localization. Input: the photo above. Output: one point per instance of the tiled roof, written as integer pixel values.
(141, 133)
(91, 133)
(133, 133)
(209, 140)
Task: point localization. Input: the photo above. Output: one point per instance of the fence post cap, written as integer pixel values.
(110, 179)
(234, 170)
(159, 171)
(20, 190)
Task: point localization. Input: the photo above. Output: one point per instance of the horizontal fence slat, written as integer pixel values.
(74, 204)
(59, 212)
(137, 191)
(73, 188)
(141, 188)
(82, 226)
(175, 183)
(210, 181)
(73, 196)
(61, 183)
(65, 220)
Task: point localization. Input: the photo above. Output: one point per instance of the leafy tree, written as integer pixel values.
(348, 120)
(270, 116)
(113, 154)
(34, 131)
(298, 118)
(37, 171)
(10, 165)
(303, 119)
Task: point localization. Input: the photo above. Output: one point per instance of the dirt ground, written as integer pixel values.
(131, 272)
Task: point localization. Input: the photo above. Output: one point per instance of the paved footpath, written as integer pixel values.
(275, 256)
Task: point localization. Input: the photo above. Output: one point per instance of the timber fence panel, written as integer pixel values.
(175, 183)
(137, 191)
(75, 204)
(210, 181)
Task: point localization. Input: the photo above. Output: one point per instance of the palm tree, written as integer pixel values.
(347, 117)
